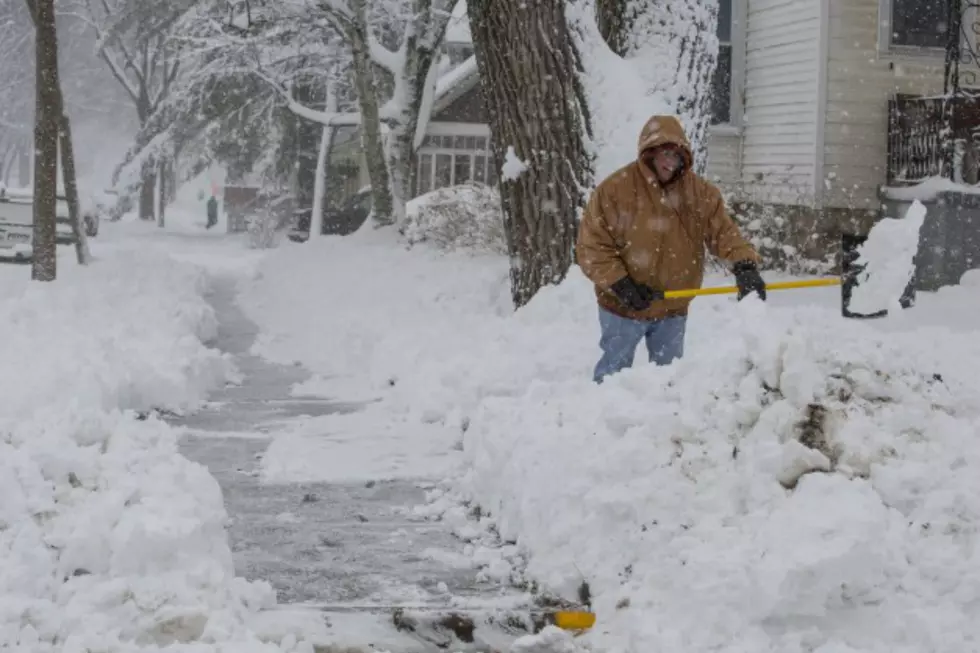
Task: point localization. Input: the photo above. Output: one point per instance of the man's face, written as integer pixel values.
(666, 161)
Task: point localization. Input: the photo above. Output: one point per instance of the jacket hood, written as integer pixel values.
(661, 130)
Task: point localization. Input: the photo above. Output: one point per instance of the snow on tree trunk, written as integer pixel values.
(546, 124)
(679, 35)
(44, 264)
(71, 187)
(320, 183)
(692, 29)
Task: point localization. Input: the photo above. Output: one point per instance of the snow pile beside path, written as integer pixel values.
(696, 500)
(124, 333)
(465, 217)
(109, 539)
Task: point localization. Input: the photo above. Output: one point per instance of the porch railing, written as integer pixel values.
(918, 138)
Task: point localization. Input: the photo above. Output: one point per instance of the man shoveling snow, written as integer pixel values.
(644, 232)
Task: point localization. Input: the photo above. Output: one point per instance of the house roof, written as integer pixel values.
(456, 83)
(458, 30)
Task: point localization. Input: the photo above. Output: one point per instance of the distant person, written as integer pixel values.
(644, 231)
(212, 212)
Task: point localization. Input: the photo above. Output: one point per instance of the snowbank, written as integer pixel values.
(460, 217)
(109, 539)
(804, 484)
(125, 333)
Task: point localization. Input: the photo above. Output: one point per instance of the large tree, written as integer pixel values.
(530, 72)
(47, 114)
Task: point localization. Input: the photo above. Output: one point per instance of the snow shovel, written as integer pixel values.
(883, 263)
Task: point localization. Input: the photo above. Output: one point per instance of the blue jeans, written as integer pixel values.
(620, 337)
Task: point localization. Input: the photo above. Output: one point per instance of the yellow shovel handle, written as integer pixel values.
(725, 290)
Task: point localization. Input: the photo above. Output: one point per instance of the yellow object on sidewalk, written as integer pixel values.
(574, 620)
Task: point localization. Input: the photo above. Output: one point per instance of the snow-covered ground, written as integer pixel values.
(109, 539)
(683, 496)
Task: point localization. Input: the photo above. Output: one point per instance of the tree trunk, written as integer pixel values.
(613, 19)
(44, 264)
(370, 129)
(320, 183)
(322, 157)
(71, 188)
(148, 193)
(161, 193)
(545, 122)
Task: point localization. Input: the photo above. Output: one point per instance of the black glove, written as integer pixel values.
(635, 296)
(748, 279)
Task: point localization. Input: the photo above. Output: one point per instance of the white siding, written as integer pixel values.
(780, 125)
(724, 149)
(859, 85)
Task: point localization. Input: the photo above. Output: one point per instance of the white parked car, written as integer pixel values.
(16, 227)
(17, 223)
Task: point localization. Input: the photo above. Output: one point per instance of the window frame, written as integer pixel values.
(890, 50)
(736, 109)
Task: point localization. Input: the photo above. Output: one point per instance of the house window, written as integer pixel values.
(453, 160)
(480, 169)
(425, 174)
(721, 84)
(916, 24)
(444, 171)
(462, 163)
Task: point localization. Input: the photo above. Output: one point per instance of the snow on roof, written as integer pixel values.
(457, 78)
(459, 26)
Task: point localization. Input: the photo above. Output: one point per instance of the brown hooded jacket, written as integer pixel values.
(655, 233)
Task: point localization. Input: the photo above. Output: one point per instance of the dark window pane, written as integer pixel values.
(481, 142)
(471, 142)
(425, 173)
(721, 88)
(725, 21)
(459, 143)
(920, 23)
(491, 172)
(461, 168)
(480, 169)
(444, 171)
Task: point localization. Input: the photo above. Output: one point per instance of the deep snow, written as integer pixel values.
(109, 539)
(695, 500)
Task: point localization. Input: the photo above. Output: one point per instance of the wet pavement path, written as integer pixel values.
(337, 546)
